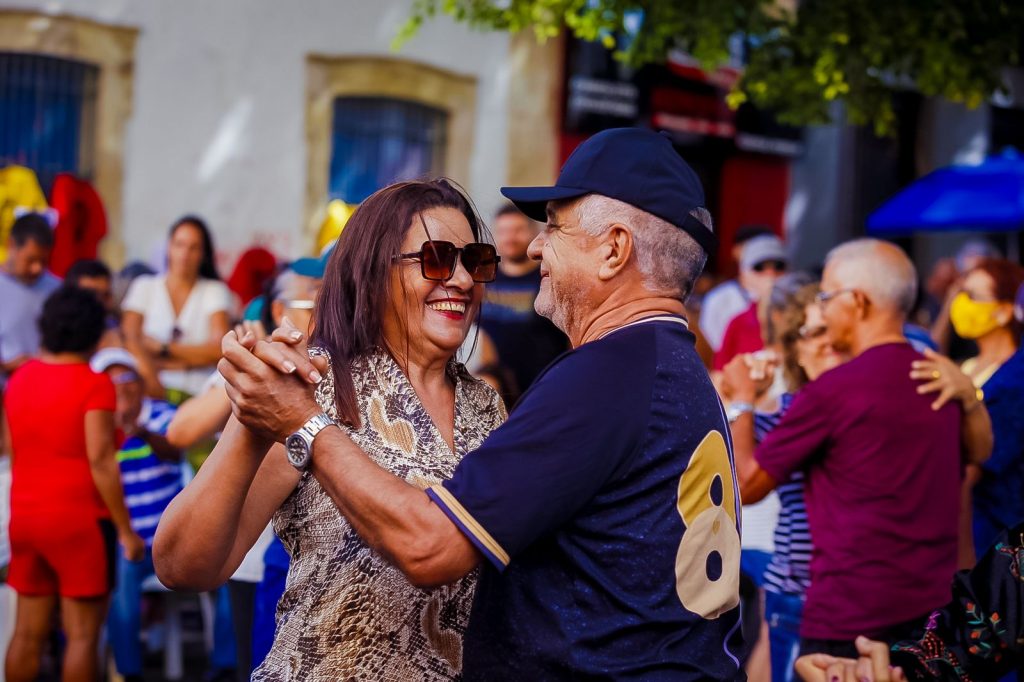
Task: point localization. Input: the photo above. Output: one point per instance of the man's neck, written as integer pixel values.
(613, 315)
(877, 333)
(518, 268)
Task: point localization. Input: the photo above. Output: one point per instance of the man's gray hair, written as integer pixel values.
(878, 268)
(669, 259)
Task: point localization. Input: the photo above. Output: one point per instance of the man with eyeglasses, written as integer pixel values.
(762, 261)
(603, 515)
(883, 465)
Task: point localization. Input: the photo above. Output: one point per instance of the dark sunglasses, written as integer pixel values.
(776, 265)
(439, 258)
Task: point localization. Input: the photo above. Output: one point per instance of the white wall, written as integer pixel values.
(218, 120)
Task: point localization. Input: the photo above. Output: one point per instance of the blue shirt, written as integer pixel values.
(149, 482)
(19, 315)
(608, 509)
(999, 495)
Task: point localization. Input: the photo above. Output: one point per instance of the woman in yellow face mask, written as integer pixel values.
(983, 311)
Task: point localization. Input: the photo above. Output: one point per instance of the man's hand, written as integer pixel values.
(945, 378)
(872, 666)
(748, 376)
(270, 384)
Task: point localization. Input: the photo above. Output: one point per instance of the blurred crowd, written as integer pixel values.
(859, 507)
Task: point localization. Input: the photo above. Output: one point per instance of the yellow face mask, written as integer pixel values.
(973, 319)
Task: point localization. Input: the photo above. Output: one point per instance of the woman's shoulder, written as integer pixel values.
(480, 396)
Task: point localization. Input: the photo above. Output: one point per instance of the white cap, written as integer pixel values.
(760, 249)
(106, 358)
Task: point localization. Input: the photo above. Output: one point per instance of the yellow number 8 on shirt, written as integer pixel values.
(708, 560)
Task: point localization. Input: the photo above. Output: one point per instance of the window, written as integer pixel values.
(378, 141)
(47, 114)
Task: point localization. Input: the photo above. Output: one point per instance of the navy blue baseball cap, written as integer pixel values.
(636, 166)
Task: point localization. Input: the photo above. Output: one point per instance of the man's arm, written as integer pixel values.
(395, 518)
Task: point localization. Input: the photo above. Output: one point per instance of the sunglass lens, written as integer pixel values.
(480, 261)
(438, 260)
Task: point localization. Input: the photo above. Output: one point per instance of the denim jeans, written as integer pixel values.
(124, 624)
(783, 613)
(125, 620)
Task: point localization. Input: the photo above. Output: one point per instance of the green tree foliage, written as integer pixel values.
(800, 59)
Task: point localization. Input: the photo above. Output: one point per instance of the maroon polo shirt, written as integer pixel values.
(883, 493)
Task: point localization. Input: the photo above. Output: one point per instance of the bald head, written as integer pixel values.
(880, 269)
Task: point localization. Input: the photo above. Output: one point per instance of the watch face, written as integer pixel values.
(297, 449)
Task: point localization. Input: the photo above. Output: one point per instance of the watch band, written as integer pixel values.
(316, 424)
(737, 410)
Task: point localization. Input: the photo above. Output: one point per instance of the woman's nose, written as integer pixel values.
(460, 278)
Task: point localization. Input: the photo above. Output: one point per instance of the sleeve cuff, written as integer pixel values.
(469, 526)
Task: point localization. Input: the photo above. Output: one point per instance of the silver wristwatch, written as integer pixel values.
(737, 410)
(299, 445)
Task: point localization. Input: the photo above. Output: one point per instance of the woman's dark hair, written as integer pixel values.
(72, 321)
(1007, 278)
(349, 311)
(208, 266)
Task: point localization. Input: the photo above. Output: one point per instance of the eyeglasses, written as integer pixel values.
(808, 333)
(826, 296)
(776, 265)
(439, 258)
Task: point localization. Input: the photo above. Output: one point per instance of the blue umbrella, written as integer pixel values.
(988, 197)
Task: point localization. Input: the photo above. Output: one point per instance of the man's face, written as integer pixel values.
(566, 256)
(129, 396)
(512, 235)
(101, 287)
(298, 303)
(760, 279)
(29, 261)
(838, 309)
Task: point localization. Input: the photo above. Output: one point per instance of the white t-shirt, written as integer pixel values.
(148, 297)
(251, 568)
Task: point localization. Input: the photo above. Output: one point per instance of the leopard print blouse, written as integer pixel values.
(347, 613)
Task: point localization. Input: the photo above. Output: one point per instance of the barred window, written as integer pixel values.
(378, 141)
(47, 115)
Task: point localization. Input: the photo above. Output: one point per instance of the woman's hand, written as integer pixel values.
(134, 546)
(265, 398)
(747, 376)
(945, 378)
(872, 666)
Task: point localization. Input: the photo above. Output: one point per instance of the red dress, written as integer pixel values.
(62, 540)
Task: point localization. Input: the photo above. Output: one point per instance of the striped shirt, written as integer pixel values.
(789, 571)
(149, 482)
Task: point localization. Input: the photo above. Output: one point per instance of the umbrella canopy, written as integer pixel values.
(988, 197)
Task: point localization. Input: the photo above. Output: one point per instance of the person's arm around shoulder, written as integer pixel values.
(942, 376)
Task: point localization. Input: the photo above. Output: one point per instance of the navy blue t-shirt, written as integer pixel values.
(608, 510)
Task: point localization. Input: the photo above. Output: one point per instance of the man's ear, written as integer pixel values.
(615, 251)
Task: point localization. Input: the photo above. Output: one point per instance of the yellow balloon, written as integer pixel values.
(338, 213)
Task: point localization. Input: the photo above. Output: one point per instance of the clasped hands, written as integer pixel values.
(271, 382)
